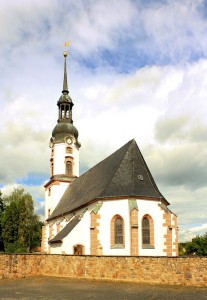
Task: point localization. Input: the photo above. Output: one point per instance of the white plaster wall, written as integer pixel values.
(47, 203)
(173, 235)
(59, 168)
(151, 208)
(108, 210)
(59, 158)
(163, 232)
(51, 202)
(121, 207)
(55, 249)
(55, 195)
(79, 235)
(46, 246)
(76, 161)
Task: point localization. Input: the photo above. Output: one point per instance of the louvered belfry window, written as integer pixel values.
(118, 231)
(145, 231)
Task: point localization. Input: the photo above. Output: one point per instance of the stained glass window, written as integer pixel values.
(118, 228)
(145, 231)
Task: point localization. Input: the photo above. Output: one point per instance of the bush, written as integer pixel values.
(15, 247)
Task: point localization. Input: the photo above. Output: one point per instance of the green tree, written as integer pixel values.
(21, 227)
(35, 233)
(198, 246)
(182, 249)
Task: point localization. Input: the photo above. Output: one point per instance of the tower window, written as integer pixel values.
(62, 112)
(69, 168)
(69, 150)
(67, 111)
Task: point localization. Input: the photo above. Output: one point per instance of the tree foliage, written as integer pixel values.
(198, 246)
(182, 249)
(21, 227)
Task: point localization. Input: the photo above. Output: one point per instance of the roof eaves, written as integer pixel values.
(55, 242)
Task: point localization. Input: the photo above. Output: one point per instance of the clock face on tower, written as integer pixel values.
(69, 140)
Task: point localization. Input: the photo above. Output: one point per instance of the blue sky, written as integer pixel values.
(137, 69)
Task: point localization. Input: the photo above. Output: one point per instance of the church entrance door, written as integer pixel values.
(78, 250)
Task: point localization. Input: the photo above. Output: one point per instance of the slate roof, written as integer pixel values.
(122, 174)
(65, 231)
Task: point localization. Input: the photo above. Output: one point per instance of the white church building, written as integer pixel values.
(115, 208)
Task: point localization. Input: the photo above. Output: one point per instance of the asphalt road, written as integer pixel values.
(65, 288)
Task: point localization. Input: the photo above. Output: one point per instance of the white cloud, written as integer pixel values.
(203, 228)
(174, 29)
(190, 233)
(23, 140)
(162, 107)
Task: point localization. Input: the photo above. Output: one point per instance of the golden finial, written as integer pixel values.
(65, 53)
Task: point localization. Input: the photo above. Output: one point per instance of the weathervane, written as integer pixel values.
(66, 44)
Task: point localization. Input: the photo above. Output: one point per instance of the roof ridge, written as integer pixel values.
(114, 173)
(90, 170)
(131, 143)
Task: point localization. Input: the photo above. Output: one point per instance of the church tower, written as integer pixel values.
(64, 144)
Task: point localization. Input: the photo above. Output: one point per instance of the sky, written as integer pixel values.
(136, 69)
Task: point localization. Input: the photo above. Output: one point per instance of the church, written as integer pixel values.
(115, 208)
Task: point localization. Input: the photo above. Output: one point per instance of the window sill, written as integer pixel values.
(118, 246)
(146, 246)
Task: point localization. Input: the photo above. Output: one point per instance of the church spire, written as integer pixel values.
(65, 127)
(65, 82)
(65, 102)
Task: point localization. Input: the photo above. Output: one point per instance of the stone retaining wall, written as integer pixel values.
(155, 270)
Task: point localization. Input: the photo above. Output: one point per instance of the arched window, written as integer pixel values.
(62, 111)
(145, 231)
(69, 168)
(118, 231)
(67, 111)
